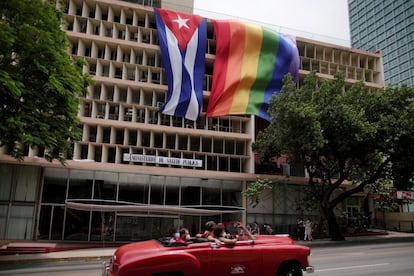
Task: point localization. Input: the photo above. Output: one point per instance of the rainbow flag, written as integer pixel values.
(251, 62)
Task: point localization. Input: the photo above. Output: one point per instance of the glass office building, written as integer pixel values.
(387, 26)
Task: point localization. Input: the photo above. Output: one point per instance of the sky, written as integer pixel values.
(322, 20)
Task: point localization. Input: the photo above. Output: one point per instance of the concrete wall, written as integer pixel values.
(397, 221)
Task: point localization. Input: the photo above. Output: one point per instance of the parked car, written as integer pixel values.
(263, 255)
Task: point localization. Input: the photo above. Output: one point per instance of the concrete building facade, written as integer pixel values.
(136, 173)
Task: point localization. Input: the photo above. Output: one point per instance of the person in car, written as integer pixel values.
(243, 233)
(219, 235)
(208, 229)
(184, 236)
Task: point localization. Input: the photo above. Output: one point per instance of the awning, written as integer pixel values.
(101, 205)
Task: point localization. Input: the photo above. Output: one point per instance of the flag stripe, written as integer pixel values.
(220, 65)
(265, 69)
(249, 62)
(174, 57)
(250, 65)
(251, 58)
(230, 80)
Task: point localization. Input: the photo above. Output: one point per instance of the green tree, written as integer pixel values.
(345, 137)
(39, 82)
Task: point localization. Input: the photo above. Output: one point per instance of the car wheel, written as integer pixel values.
(290, 269)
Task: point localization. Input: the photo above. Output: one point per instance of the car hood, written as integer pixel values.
(134, 250)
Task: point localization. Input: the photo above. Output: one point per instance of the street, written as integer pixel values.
(368, 259)
(73, 268)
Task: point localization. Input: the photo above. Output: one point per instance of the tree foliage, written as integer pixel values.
(253, 192)
(342, 135)
(39, 82)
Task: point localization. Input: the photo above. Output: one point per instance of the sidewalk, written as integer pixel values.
(71, 252)
(382, 237)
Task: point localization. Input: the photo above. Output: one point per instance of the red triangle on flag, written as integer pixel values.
(182, 25)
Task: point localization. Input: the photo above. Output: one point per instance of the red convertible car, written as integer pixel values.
(263, 255)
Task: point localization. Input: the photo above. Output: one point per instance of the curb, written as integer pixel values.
(355, 241)
(61, 256)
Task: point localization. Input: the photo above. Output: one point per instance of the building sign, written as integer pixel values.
(405, 195)
(162, 160)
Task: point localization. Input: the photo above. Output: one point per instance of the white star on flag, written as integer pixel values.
(182, 22)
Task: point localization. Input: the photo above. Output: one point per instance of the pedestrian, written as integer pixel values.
(308, 230)
(301, 228)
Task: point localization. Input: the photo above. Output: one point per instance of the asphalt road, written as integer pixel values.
(71, 268)
(368, 259)
(371, 259)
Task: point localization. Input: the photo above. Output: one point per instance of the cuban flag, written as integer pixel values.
(183, 40)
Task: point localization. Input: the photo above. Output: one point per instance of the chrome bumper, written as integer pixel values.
(310, 269)
(105, 269)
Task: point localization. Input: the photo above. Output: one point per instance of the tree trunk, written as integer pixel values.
(333, 226)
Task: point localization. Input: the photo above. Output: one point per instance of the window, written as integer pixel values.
(92, 133)
(108, 32)
(105, 71)
(131, 74)
(92, 69)
(195, 143)
(158, 140)
(190, 192)
(145, 136)
(105, 188)
(118, 73)
(122, 94)
(172, 190)
(119, 136)
(113, 112)
(170, 143)
(132, 137)
(133, 188)
(106, 135)
(182, 142)
(121, 34)
(80, 184)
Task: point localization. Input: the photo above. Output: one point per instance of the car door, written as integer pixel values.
(239, 259)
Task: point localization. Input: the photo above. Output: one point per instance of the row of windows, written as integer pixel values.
(110, 13)
(337, 57)
(96, 152)
(131, 73)
(350, 72)
(57, 222)
(159, 140)
(144, 33)
(115, 52)
(134, 104)
(62, 184)
(150, 115)
(402, 77)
